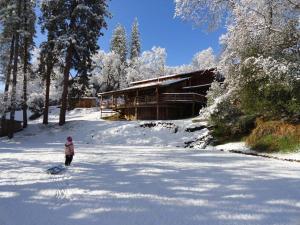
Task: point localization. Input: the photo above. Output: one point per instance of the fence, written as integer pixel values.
(7, 125)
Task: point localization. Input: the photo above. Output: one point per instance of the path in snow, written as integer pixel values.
(133, 185)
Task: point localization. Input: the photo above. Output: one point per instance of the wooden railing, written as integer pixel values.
(148, 100)
(185, 97)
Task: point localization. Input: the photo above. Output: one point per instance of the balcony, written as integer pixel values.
(144, 101)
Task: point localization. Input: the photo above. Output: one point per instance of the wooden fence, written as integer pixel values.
(6, 125)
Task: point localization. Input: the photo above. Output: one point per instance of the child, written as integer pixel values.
(69, 151)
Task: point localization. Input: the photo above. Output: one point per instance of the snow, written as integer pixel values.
(19, 115)
(241, 146)
(150, 84)
(125, 174)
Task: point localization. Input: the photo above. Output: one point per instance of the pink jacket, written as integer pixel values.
(69, 148)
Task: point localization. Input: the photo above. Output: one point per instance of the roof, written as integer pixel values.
(201, 85)
(147, 85)
(171, 76)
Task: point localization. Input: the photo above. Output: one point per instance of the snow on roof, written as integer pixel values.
(169, 76)
(150, 84)
(201, 85)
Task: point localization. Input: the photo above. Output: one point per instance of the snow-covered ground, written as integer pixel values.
(123, 173)
(241, 147)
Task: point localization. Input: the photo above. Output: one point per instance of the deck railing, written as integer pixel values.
(149, 100)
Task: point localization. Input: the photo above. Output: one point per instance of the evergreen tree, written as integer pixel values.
(17, 20)
(28, 31)
(16, 33)
(48, 54)
(80, 84)
(118, 43)
(7, 42)
(135, 43)
(77, 28)
(118, 46)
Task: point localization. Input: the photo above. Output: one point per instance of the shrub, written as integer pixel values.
(274, 136)
(273, 101)
(229, 122)
(268, 87)
(36, 103)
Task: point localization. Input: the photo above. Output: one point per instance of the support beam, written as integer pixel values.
(101, 100)
(157, 103)
(135, 105)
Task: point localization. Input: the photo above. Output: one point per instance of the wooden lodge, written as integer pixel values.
(164, 98)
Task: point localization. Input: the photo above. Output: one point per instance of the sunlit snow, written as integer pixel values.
(123, 174)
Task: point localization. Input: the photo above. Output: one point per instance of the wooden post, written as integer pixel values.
(135, 104)
(157, 103)
(193, 110)
(101, 100)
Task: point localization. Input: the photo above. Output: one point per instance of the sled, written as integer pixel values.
(56, 169)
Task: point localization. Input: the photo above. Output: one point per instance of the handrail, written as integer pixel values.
(152, 99)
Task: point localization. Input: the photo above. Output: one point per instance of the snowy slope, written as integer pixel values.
(124, 174)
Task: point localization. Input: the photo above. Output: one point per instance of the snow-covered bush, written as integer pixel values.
(36, 103)
(216, 90)
(268, 88)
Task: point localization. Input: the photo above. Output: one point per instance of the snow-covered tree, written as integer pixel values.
(180, 69)
(135, 42)
(107, 75)
(207, 13)
(77, 28)
(118, 43)
(134, 71)
(261, 46)
(11, 19)
(204, 60)
(48, 53)
(17, 18)
(153, 63)
(27, 36)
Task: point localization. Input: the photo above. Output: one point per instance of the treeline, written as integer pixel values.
(72, 29)
(68, 64)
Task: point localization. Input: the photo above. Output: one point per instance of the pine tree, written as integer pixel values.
(48, 54)
(28, 31)
(7, 42)
(118, 43)
(80, 84)
(15, 66)
(77, 28)
(135, 43)
(17, 20)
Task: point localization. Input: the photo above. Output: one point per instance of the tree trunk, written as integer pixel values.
(48, 82)
(64, 97)
(25, 68)
(8, 73)
(14, 81)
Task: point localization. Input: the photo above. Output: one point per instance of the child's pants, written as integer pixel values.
(69, 159)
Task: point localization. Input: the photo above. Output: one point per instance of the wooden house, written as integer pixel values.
(164, 98)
